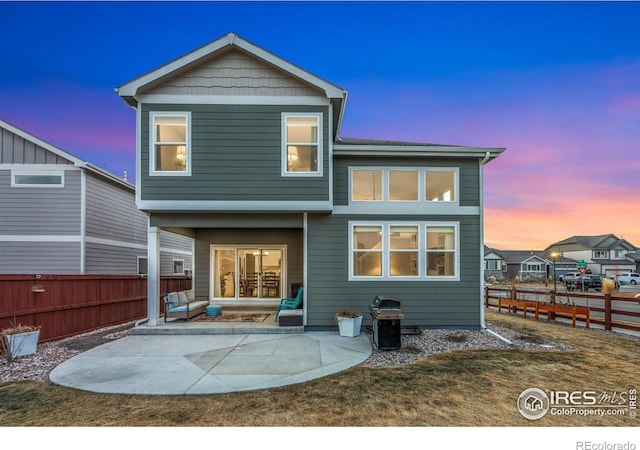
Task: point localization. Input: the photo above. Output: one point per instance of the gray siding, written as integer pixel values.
(40, 211)
(469, 174)
(17, 150)
(173, 246)
(112, 260)
(123, 259)
(292, 238)
(236, 157)
(112, 214)
(40, 257)
(424, 303)
(234, 73)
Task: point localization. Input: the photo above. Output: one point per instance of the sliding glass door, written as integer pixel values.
(248, 272)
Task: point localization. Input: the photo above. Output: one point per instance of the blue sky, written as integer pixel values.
(556, 83)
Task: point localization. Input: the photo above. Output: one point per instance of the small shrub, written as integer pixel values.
(608, 286)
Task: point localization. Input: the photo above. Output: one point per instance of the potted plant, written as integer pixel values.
(349, 322)
(19, 340)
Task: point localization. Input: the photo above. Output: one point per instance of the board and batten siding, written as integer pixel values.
(15, 149)
(205, 238)
(423, 303)
(236, 156)
(468, 184)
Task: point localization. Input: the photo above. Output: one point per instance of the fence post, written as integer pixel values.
(486, 296)
(552, 301)
(607, 312)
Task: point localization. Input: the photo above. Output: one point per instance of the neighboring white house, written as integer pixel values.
(60, 214)
(605, 254)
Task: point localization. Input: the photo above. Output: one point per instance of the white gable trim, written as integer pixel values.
(132, 88)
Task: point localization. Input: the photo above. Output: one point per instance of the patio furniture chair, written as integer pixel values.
(289, 303)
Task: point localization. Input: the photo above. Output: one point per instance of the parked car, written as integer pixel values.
(568, 276)
(629, 278)
(571, 276)
(584, 283)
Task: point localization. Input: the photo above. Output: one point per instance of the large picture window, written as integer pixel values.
(407, 251)
(302, 144)
(170, 151)
(396, 185)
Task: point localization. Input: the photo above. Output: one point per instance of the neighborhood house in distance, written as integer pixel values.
(62, 215)
(241, 151)
(606, 255)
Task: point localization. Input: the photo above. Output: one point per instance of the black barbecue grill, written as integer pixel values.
(386, 315)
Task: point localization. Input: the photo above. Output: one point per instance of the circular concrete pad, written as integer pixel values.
(209, 364)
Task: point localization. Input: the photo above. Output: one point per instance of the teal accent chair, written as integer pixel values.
(289, 303)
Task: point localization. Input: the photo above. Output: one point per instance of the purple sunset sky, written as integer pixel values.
(557, 84)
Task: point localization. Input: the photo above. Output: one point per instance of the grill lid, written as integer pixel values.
(380, 302)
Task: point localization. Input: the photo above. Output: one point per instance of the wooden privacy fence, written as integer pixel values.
(66, 305)
(588, 308)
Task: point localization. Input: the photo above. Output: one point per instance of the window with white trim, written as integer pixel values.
(143, 265)
(178, 267)
(302, 144)
(600, 254)
(170, 136)
(37, 178)
(404, 251)
(402, 184)
(440, 185)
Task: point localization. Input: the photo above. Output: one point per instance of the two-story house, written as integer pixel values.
(604, 254)
(60, 214)
(241, 150)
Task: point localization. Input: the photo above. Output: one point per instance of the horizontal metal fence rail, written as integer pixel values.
(601, 309)
(66, 305)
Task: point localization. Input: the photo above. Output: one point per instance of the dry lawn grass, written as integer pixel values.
(464, 388)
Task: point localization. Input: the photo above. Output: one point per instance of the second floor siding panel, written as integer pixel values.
(51, 211)
(111, 213)
(236, 155)
(467, 171)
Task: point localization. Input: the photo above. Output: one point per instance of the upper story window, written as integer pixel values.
(302, 144)
(440, 185)
(170, 138)
(37, 179)
(398, 184)
(600, 254)
(618, 254)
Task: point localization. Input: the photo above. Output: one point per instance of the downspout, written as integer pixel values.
(482, 323)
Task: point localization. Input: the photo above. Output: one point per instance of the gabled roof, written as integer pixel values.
(520, 256)
(72, 159)
(130, 90)
(599, 242)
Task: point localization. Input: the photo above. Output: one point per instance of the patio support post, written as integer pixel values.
(153, 280)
